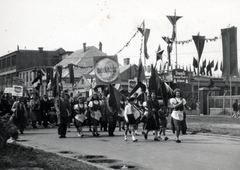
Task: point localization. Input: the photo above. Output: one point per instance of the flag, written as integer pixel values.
(56, 83)
(142, 28)
(212, 64)
(204, 64)
(146, 36)
(159, 53)
(173, 20)
(141, 73)
(139, 85)
(169, 47)
(38, 77)
(209, 67)
(216, 66)
(71, 73)
(114, 97)
(221, 66)
(195, 63)
(154, 81)
(199, 42)
(230, 58)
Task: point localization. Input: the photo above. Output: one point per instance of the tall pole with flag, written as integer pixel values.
(199, 42)
(173, 20)
(230, 58)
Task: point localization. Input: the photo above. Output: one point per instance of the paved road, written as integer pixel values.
(200, 152)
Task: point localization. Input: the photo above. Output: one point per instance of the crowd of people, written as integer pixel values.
(96, 114)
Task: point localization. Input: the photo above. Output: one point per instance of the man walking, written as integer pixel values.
(62, 107)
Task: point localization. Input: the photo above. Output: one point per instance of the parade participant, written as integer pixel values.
(104, 110)
(19, 111)
(137, 106)
(95, 112)
(177, 104)
(111, 118)
(130, 119)
(163, 121)
(235, 109)
(35, 110)
(121, 115)
(152, 120)
(62, 107)
(80, 111)
(45, 109)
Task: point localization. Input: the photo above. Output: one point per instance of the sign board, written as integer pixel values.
(131, 84)
(106, 70)
(18, 81)
(180, 76)
(15, 90)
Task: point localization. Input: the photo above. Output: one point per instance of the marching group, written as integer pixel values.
(96, 113)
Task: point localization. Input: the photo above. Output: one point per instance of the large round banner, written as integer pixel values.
(106, 69)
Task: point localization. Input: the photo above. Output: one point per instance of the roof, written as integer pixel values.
(84, 61)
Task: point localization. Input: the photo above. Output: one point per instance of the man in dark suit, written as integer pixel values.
(63, 111)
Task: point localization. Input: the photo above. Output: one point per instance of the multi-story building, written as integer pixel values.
(22, 63)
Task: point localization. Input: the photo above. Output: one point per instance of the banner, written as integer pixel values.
(229, 45)
(15, 90)
(106, 70)
(180, 76)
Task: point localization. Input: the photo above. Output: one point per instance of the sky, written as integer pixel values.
(52, 24)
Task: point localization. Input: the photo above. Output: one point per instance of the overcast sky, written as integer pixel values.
(68, 24)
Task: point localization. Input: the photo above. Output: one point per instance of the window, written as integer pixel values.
(8, 62)
(26, 76)
(14, 60)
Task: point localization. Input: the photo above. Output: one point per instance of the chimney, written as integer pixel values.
(126, 61)
(100, 46)
(84, 47)
(40, 49)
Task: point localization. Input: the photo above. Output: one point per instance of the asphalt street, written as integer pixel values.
(197, 151)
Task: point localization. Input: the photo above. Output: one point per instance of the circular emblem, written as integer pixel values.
(107, 70)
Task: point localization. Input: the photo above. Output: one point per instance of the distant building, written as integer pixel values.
(22, 63)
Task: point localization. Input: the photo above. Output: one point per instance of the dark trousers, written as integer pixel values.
(62, 129)
(45, 119)
(111, 127)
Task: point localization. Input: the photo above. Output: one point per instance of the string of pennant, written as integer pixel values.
(190, 40)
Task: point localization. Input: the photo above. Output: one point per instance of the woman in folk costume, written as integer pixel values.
(177, 104)
(152, 118)
(80, 111)
(35, 110)
(130, 119)
(20, 113)
(95, 109)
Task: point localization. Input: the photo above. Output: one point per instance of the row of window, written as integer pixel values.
(7, 62)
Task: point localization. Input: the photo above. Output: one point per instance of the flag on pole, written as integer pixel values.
(173, 20)
(230, 58)
(195, 62)
(146, 36)
(159, 53)
(141, 72)
(216, 66)
(71, 73)
(114, 97)
(142, 28)
(221, 66)
(199, 42)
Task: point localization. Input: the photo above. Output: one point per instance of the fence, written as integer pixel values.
(220, 105)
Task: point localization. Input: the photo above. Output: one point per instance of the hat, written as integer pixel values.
(177, 90)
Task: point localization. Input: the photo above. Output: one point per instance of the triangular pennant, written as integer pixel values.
(199, 42)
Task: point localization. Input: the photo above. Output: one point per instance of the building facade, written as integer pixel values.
(22, 63)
